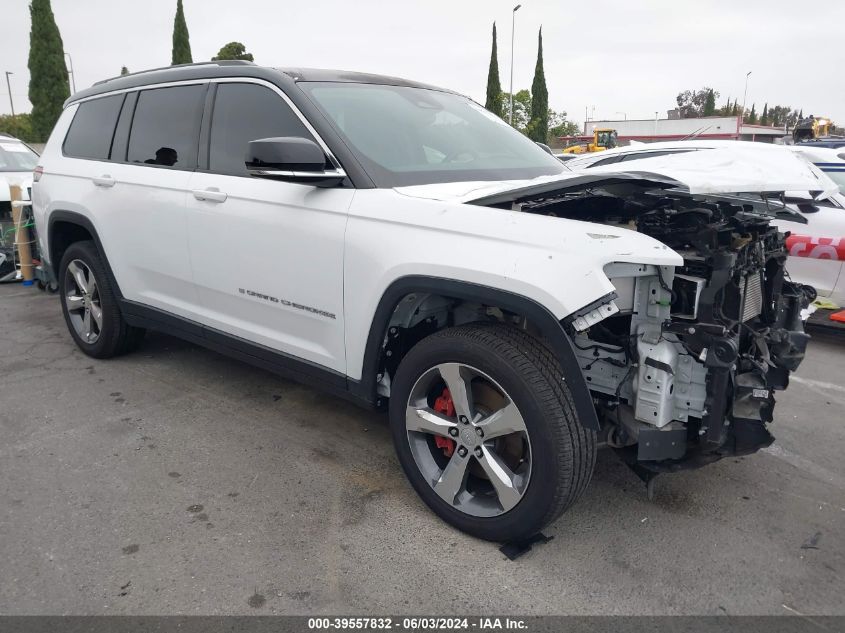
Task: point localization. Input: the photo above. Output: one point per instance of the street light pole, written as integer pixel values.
(9, 86)
(744, 96)
(72, 74)
(513, 26)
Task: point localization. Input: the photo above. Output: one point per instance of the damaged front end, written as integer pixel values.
(683, 362)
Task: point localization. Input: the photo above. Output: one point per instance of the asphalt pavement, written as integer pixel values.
(177, 481)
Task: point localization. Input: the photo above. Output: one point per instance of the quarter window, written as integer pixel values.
(247, 112)
(92, 129)
(165, 128)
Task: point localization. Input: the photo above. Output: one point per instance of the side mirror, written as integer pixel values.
(292, 159)
(545, 148)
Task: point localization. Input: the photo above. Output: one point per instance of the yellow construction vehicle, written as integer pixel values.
(602, 139)
(812, 127)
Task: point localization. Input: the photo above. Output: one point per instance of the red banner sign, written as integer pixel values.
(816, 247)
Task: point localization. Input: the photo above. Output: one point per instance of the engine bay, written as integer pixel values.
(683, 362)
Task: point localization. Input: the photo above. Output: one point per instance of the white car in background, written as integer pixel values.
(830, 161)
(812, 180)
(17, 160)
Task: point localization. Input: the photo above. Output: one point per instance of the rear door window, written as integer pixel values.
(165, 128)
(246, 112)
(92, 129)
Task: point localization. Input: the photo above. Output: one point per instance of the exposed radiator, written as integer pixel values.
(752, 304)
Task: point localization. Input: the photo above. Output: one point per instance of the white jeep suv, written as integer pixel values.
(399, 245)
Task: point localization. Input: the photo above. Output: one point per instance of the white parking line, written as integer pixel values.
(818, 384)
(806, 465)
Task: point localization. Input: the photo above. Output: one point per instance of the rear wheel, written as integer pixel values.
(486, 431)
(90, 307)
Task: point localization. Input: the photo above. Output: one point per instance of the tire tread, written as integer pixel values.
(573, 445)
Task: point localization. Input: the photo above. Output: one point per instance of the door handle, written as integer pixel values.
(103, 181)
(212, 194)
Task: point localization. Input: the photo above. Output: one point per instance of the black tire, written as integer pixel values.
(563, 452)
(116, 337)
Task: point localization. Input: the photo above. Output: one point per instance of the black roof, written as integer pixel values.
(348, 76)
(210, 70)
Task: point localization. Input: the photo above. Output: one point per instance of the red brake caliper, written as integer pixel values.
(445, 406)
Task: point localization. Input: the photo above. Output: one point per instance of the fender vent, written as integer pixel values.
(752, 304)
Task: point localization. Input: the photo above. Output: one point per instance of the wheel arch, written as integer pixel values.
(66, 227)
(539, 316)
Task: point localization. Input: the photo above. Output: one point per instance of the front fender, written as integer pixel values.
(552, 330)
(555, 262)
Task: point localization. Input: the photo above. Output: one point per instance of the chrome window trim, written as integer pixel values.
(304, 175)
(220, 80)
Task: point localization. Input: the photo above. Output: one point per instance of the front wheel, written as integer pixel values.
(486, 431)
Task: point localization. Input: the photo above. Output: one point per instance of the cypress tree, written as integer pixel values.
(124, 70)
(181, 39)
(494, 87)
(538, 127)
(710, 104)
(752, 116)
(764, 120)
(48, 82)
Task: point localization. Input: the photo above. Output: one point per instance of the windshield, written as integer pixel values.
(607, 138)
(838, 177)
(15, 156)
(413, 136)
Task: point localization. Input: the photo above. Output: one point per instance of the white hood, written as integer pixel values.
(739, 169)
(736, 169)
(462, 191)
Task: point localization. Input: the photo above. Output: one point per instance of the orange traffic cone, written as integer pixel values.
(838, 316)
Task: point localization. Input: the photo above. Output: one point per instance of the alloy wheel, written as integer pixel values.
(468, 439)
(82, 299)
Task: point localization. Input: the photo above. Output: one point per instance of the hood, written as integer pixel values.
(735, 169)
(723, 170)
(471, 190)
(480, 192)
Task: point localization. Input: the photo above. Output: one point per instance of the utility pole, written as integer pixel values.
(9, 86)
(742, 114)
(513, 26)
(72, 74)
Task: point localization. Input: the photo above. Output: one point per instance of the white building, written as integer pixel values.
(713, 127)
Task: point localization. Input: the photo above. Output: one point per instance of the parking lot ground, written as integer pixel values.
(175, 480)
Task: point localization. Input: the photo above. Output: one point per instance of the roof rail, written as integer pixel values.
(225, 62)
